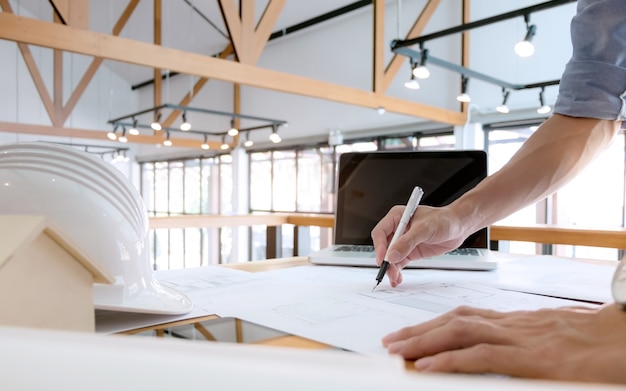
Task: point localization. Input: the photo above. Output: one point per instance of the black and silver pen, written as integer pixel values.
(409, 210)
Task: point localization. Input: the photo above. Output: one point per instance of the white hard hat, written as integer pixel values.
(99, 209)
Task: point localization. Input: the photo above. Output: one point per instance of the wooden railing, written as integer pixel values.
(542, 234)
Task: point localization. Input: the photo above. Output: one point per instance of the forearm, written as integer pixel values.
(555, 154)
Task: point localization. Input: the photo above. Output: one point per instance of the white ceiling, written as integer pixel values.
(337, 51)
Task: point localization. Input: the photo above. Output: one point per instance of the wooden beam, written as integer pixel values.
(378, 53)
(95, 63)
(264, 28)
(567, 235)
(40, 85)
(246, 13)
(73, 13)
(158, 81)
(217, 221)
(237, 109)
(266, 24)
(416, 30)
(36, 32)
(64, 132)
(233, 25)
(57, 83)
(31, 65)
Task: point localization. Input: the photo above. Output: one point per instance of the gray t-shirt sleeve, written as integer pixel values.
(593, 84)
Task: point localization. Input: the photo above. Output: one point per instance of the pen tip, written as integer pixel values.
(375, 287)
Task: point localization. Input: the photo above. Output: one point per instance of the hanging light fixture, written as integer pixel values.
(133, 129)
(167, 142)
(185, 126)
(156, 124)
(543, 108)
(420, 71)
(224, 144)
(248, 142)
(205, 144)
(525, 47)
(112, 135)
(503, 108)
(380, 110)
(233, 131)
(464, 96)
(275, 137)
(132, 122)
(123, 138)
(412, 83)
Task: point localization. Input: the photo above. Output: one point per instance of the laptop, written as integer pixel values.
(370, 183)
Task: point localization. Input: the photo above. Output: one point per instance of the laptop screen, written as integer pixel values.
(370, 183)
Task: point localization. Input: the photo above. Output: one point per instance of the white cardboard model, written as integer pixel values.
(45, 280)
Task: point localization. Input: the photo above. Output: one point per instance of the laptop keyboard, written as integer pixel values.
(355, 248)
(465, 251)
(366, 248)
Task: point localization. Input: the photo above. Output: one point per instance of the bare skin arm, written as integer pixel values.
(553, 155)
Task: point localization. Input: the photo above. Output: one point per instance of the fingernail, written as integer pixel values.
(396, 347)
(387, 338)
(424, 363)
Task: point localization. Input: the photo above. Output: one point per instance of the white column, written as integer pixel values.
(240, 204)
(469, 136)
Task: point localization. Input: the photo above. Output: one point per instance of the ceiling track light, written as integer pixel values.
(464, 96)
(503, 108)
(233, 131)
(275, 137)
(133, 129)
(543, 108)
(205, 144)
(224, 145)
(420, 71)
(248, 142)
(112, 135)
(412, 83)
(167, 142)
(185, 126)
(156, 124)
(132, 122)
(525, 47)
(123, 138)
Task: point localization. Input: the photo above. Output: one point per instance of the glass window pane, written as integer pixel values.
(502, 146)
(161, 189)
(226, 184)
(160, 249)
(327, 203)
(439, 142)
(210, 186)
(192, 186)
(261, 181)
(193, 247)
(284, 181)
(259, 242)
(176, 188)
(595, 198)
(147, 186)
(309, 187)
(177, 249)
